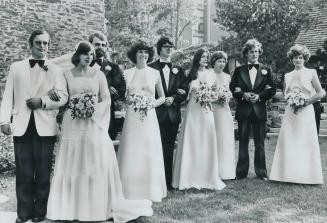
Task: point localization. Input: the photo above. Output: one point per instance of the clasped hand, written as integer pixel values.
(251, 97)
(34, 103)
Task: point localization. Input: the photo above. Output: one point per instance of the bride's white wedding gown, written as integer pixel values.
(86, 185)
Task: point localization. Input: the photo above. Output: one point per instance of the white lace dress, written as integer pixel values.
(86, 184)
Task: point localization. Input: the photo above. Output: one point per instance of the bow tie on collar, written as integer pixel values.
(33, 62)
(98, 61)
(163, 64)
(256, 66)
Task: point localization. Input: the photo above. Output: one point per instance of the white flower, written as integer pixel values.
(108, 68)
(175, 70)
(264, 72)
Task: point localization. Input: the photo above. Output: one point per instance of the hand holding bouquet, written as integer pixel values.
(82, 106)
(205, 94)
(224, 95)
(296, 99)
(140, 103)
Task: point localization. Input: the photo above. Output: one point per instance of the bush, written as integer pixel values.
(7, 157)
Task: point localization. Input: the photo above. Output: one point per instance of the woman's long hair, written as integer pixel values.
(193, 74)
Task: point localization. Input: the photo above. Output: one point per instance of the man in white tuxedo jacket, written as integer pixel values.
(28, 113)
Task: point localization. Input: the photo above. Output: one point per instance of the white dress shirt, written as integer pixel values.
(253, 74)
(166, 72)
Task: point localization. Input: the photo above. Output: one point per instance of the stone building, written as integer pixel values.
(67, 21)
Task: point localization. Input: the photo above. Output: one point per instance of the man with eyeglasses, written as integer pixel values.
(169, 114)
(29, 115)
(114, 75)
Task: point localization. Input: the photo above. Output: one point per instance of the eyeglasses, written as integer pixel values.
(100, 44)
(167, 46)
(39, 43)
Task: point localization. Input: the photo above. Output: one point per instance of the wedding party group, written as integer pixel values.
(91, 182)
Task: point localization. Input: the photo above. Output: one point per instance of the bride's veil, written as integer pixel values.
(63, 61)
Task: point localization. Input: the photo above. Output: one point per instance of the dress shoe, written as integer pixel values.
(263, 178)
(21, 220)
(38, 219)
(240, 178)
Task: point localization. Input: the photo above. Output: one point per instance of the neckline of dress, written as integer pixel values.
(71, 73)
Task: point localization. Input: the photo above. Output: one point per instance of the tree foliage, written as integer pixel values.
(129, 20)
(275, 23)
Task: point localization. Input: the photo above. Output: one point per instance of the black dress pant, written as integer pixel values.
(244, 129)
(33, 158)
(168, 132)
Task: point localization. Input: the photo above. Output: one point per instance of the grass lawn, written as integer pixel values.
(248, 200)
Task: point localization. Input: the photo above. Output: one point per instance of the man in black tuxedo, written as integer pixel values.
(169, 114)
(252, 85)
(114, 75)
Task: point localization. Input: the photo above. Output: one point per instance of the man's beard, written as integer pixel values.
(99, 53)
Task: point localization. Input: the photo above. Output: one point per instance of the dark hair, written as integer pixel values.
(162, 41)
(196, 63)
(217, 56)
(36, 33)
(140, 45)
(98, 35)
(297, 50)
(82, 48)
(249, 45)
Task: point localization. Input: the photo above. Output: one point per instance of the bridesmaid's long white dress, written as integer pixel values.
(196, 160)
(140, 156)
(86, 185)
(224, 124)
(297, 154)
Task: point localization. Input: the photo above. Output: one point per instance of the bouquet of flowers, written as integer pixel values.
(140, 103)
(224, 95)
(205, 95)
(82, 106)
(296, 99)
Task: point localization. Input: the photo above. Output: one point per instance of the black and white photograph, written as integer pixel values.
(163, 111)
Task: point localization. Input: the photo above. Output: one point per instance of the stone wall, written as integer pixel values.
(67, 21)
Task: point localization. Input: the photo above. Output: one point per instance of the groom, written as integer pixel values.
(29, 115)
(169, 114)
(114, 75)
(252, 85)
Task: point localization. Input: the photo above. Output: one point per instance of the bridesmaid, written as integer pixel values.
(196, 161)
(297, 154)
(223, 120)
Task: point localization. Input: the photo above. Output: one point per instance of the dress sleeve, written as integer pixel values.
(101, 115)
(160, 91)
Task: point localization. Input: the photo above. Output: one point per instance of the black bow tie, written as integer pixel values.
(163, 64)
(256, 66)
(98, 61)
(33, 62)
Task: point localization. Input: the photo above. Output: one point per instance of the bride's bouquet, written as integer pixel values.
(140, 103)
(205, 94)
(296, 99)
(82, 106)
(224, 95)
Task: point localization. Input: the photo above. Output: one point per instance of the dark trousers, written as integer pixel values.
(244, 129)
(318, 110)
(168, 133)
(112, 127)
(33, 158)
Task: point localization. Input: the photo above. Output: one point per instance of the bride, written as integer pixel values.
(86, 184)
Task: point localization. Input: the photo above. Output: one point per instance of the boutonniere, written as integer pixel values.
(175, 70)
(264, 72)
(108, 68)
(45, 67)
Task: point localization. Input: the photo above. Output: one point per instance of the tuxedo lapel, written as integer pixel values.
(259, 77)
(246, 76)
(163, 81)
(172, 77)
(26, 73)
(41, 76)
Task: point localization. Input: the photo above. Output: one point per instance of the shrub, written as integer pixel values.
(7, 157)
